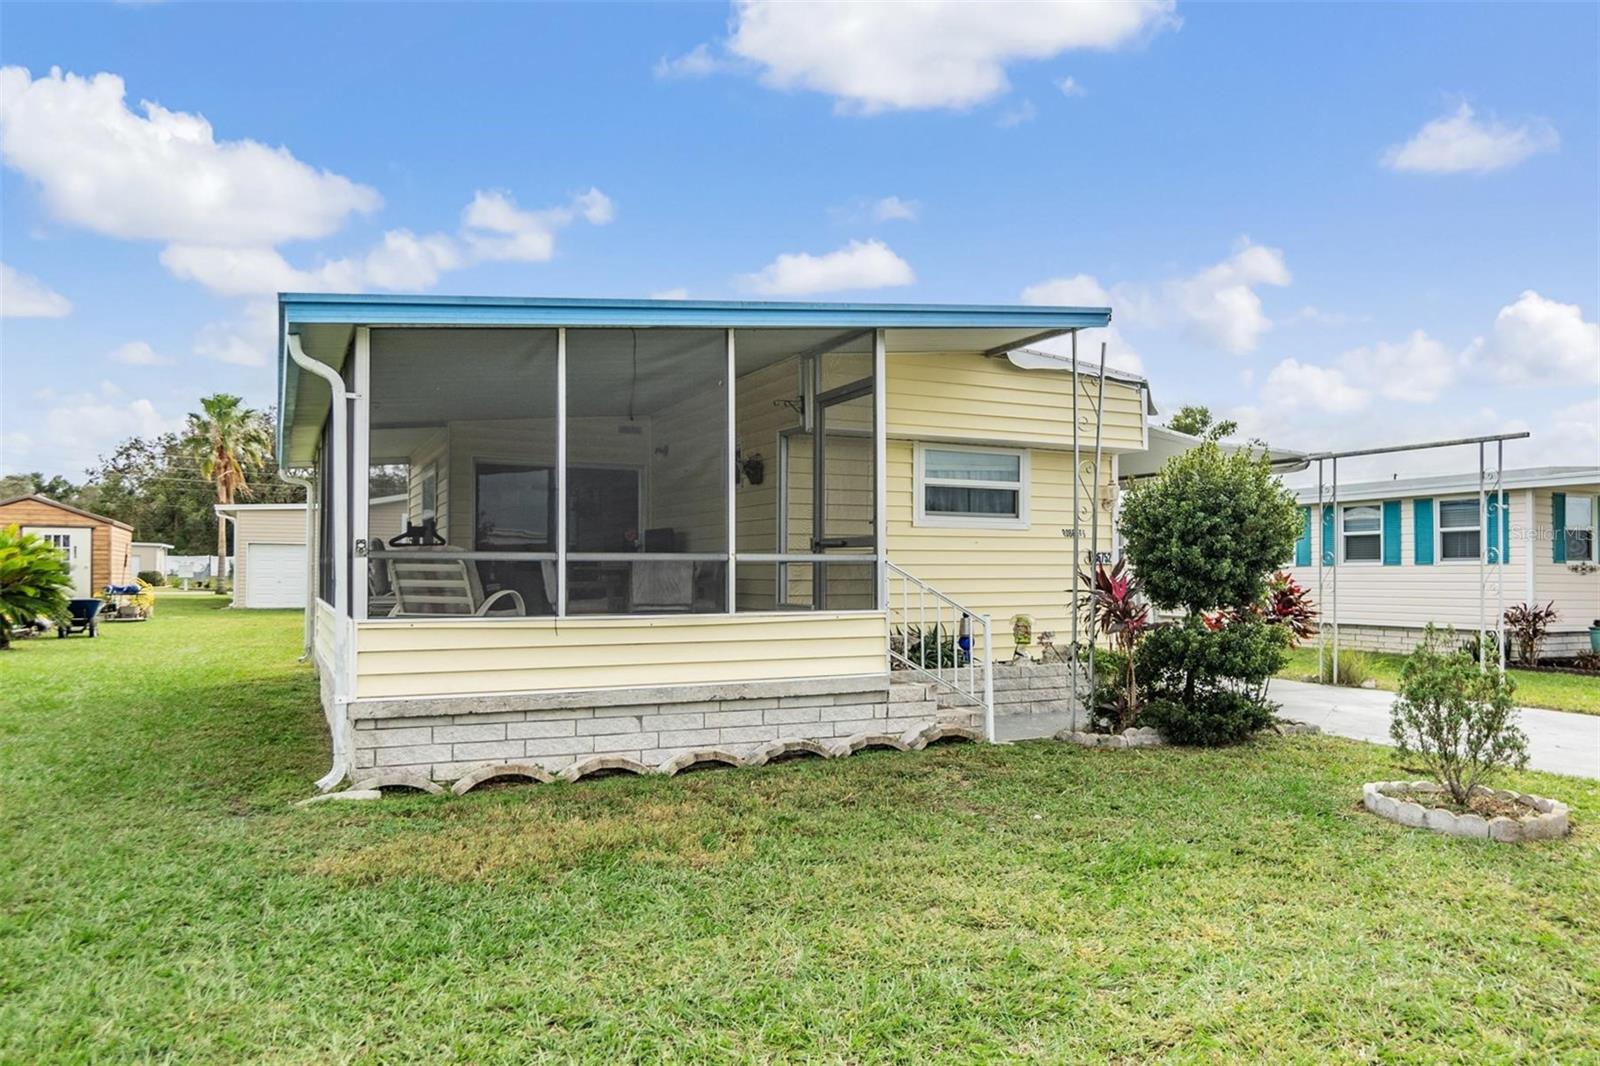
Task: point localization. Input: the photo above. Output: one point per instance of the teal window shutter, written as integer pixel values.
(1302, 547)
(1391, 532)
(1505, 527)
(1327, 534)
(1558, 522)
(1422, 518)
(1491, 527)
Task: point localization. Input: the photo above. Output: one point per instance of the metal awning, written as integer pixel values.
(326, 322)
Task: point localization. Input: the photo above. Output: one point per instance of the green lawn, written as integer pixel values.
(1535, 688)
(161, 899)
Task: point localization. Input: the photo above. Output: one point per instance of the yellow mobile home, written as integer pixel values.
(645, 531)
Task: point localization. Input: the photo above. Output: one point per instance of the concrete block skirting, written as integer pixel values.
(447, 739)
(1403, 640)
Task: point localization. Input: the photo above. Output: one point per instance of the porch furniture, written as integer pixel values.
(83, 617)
(442, 586)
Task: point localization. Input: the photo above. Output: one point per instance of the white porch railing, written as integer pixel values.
(937, 638)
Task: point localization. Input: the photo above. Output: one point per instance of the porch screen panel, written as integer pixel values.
(647, 471)
(463, 432)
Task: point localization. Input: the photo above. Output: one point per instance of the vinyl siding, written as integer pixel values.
(542, 655)
(287, 526)
(973, 398)
(322, 634)
(1446, 592)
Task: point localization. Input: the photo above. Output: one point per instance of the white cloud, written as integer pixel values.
(405, 261)
(1012, 117)
(885, 57)
(1538, 341)
(161, 175)
(1069, 86)
(138, 353)
(250, 340)
(25, 296)
(1415, 370)
(894, 209)
(1219, 305)
(87, 426)
(698, 62)
(1461, 142)
(1083, 290)
(858, 265)
(679, 293)
(495, 228)
(1296, 385)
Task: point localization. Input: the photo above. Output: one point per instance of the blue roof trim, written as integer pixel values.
(378, 310)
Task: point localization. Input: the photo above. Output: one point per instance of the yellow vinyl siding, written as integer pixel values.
(973, 398)
(322, 635)
(541, 655)
(1000, 572)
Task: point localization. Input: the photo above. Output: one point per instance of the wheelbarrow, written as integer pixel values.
(84, 617)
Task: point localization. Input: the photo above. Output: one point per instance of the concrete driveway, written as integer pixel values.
(1559, 742)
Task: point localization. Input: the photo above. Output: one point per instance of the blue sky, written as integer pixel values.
(1344, 225)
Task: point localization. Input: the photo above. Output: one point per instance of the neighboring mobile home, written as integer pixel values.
(148, 556)
(98, 549)
(1408, 552)
(641, 529)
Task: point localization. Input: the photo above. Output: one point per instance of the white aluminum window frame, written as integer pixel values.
(921, 515)
(1439, 531)
(1592, 528)
(1344, 536)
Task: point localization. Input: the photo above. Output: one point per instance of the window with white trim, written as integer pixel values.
(1460, 530)
(1580, 529)
(1362, 532)
(981, 487)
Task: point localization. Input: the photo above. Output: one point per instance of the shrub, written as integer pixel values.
(152, 577)
(1108, 704)
(1212, 717)
(1186, 656)
(1288, 604)
(1529, 625)
(1206, 533)
(930, 649)
(1457, 718)
(1356, 668)
(33, 581)
(1121, 615)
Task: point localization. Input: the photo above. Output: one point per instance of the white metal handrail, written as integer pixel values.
(909, 601)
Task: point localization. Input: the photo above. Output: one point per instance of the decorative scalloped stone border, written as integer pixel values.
(1546, 819)
(596, 764)
(527, 771)
(372, 786)
(398, 779)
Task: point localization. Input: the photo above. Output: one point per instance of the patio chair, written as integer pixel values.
(433, 586)
(656, 585)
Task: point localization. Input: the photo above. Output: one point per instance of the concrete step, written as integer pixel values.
(909, 691)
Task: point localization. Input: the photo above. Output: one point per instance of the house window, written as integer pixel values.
(1580, 529)
(1363, 533)
(985, 487)
(1460, 530)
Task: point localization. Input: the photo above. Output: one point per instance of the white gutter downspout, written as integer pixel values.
(339, 715)
(293, 479)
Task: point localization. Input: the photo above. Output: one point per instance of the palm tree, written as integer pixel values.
(226, 440)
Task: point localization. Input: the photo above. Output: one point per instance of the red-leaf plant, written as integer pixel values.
(1120, 614)
(1286, 604)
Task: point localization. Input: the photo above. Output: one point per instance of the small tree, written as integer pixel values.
(33, 581)
(1205, 536)
(1454, 716)
(1196, 420)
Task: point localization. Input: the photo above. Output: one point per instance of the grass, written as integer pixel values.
(161, 898)
(1535, 688)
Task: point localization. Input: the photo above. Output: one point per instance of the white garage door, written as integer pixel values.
(275, 575)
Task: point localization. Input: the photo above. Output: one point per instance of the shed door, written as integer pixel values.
(275, 575)
(75, 544)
